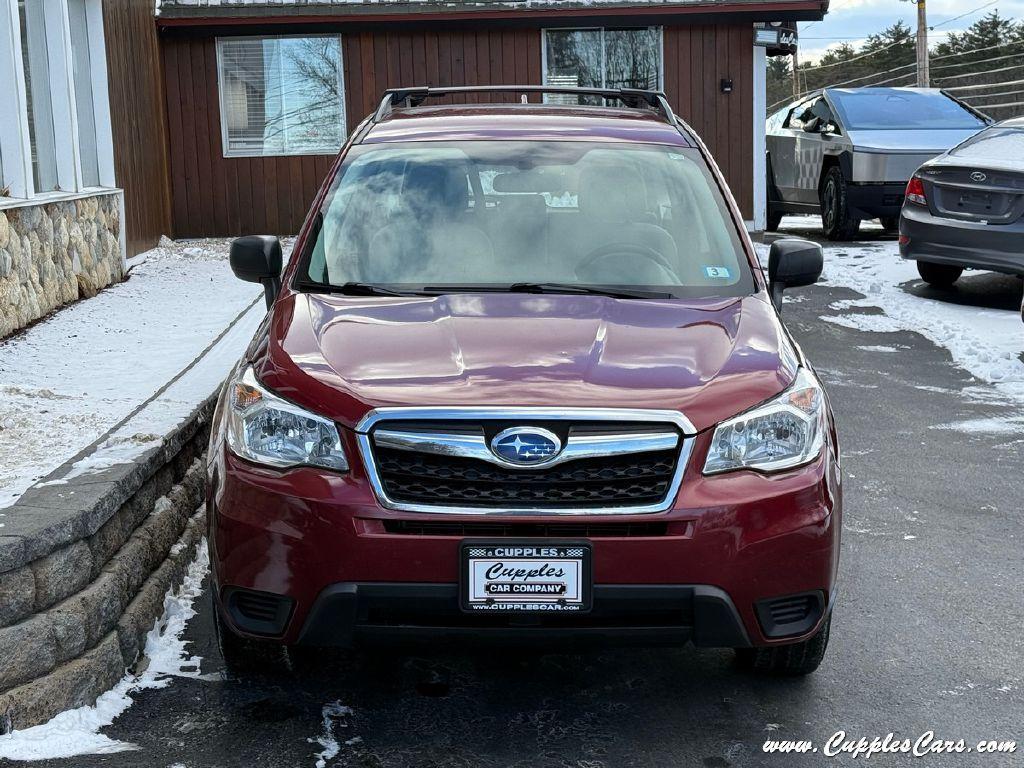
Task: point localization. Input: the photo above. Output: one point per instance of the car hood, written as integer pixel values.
(342, 356)
(933, 141)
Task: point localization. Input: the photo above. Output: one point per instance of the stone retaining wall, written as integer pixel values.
(54, 253)
(84, 568)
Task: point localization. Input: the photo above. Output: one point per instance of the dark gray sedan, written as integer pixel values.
(965, 209)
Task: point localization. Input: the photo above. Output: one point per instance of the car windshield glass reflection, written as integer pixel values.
(901, 109)
(485, 213)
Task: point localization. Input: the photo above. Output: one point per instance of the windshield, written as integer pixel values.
(901, 109)
(493, 214)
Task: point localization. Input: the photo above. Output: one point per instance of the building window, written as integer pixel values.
(35, 59)
(81, 64)
(281, 95)
(602, 58)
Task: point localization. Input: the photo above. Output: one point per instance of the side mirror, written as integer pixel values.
(257, 259)
(813, 125)
(793, 263)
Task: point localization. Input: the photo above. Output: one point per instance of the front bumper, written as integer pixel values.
(875, 201)
(350, 573)
(971, 244)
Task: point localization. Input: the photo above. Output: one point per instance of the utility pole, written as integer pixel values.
(796, 74)
(923, 76)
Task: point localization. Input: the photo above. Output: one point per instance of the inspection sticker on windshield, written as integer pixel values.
(717, 273)
(525, 577)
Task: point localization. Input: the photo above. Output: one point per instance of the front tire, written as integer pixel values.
(836, 220)
(939, 275)
(794, 660)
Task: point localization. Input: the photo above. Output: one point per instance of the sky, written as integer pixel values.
(853, 20)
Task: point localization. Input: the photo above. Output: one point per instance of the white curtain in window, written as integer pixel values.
(281, 95)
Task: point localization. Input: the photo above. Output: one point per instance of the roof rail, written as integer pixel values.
(633, 97)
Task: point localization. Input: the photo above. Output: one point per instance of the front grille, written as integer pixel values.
(524, 530)
(623, 480)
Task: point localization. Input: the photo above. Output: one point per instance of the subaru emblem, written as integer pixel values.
(978, 176)
(526, 446)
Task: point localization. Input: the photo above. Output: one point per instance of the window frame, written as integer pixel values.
(15, 137)
(226, 150)
(604, 58)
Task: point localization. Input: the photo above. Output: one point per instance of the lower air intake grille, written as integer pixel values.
(259, 613)
(792, 615)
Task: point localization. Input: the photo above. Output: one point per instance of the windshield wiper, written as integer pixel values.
(571, 289)
(589, 290)
(351, 289)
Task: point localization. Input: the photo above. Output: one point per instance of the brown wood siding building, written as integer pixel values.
(218, 196)
(139, 124)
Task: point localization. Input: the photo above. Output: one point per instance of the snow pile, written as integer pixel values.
(76, 732)
(987, 343)
(67, 381)
(332, 714)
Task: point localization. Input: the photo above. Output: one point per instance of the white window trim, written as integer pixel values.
(237, 153)
(604, 68)
(15, 143)
(14, 135)
(760, 143)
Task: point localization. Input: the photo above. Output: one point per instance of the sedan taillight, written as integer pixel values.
(915, 192)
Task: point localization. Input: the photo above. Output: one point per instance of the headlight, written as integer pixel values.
(781, 434)
(268, 430)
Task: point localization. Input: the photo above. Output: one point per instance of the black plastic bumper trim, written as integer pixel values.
(351, 614)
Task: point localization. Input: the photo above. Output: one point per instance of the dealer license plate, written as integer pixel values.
(526, 577)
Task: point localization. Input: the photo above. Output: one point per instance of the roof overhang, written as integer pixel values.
(549, 13)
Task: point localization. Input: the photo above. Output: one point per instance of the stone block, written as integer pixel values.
(17, 595)
(61, 573)
(28, 649)
(75, 684)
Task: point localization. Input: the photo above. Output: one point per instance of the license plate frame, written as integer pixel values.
(573, 558)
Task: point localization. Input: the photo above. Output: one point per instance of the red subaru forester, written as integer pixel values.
(523, 380)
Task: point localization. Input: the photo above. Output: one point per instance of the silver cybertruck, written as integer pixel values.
(848, 153)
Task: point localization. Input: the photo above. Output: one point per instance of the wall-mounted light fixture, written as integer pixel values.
(726, 85)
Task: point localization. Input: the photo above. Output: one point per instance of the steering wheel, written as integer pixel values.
(627, 250)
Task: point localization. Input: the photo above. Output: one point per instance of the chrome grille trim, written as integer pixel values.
(365, 436)
(475, 446)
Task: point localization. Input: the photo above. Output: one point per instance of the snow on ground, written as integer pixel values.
(68, 380)
(987, 343)
(77, 731)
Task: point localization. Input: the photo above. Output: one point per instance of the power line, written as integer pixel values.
(985, 85)
(986, 72)
(957, 18)
(1001, 106)
(993, 95)
(858, 58)
(980, 61)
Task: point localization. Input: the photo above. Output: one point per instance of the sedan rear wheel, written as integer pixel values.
(939, 275)
(836, 220)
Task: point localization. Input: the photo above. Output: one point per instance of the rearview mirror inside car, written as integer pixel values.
(793, 263)
(257, 259)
